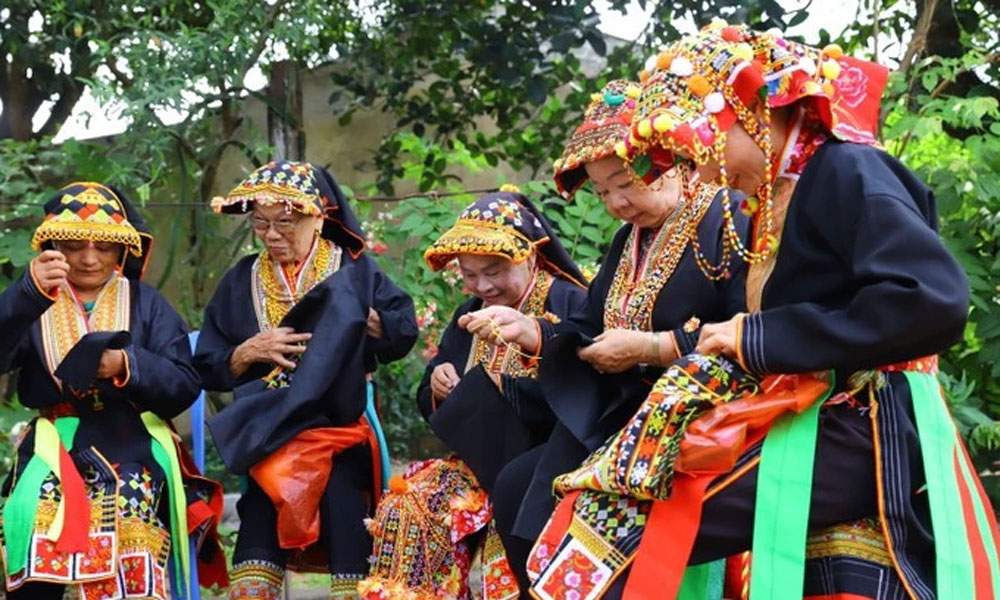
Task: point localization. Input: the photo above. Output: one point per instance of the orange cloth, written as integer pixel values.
(295, 477)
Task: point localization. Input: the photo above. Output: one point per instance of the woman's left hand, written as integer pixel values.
(720, 338)
(112, 364)
(616, 350)
(374, 324)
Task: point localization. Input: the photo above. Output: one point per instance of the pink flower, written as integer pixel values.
(572, 579)
(542, 551)
(852, 85)
(572, 595)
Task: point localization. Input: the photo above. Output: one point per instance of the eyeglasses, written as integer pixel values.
(80, 245)
(283, 226)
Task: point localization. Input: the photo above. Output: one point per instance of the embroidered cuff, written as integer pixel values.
(750, 343)
(121, 381)
(685, 341)
(34, 290)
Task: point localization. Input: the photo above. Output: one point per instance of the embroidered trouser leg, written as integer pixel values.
(258, 562)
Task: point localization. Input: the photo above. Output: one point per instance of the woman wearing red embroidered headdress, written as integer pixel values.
(99, 496)
(293, 331)
(843, 471)
(641, 312)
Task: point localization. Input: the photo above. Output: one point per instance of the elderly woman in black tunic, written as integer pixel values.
(643, 311)
(838, 466)
(293, 331)
(482, 400)
(100, 496)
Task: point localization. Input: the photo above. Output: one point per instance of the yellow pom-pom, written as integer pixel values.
(828, 89)
(663, 123)
(716, 23)
(644, 128)
(831, 69)
(833, 51)
(633, 91)
(621, 150)
(699, 86)
(595, 97)
(398, 485)
(744, 51)
(510, 187)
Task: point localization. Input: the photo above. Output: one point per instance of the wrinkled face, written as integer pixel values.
(90, 263)
(494, 279)
(746, 164)
(287, 234)
(629, 201)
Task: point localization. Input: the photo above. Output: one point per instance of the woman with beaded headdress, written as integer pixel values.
(841, 469)
(101, 493)
(482, 400)
(294, 331)
(641, 313)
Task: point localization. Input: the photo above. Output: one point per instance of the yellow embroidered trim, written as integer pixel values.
(119, 233)
(268, 194)
(63, 324)
(271, 300)
(473, 236)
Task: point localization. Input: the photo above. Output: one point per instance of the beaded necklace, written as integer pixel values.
(637, 282)
(274, 293)
(505, 359)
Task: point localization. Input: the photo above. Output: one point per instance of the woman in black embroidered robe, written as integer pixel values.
(642, 312)
(96, 497)
(482, 400)
(293, 392)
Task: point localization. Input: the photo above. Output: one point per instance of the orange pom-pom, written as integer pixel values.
(699, 86)
(663, 60)
(833, 51)
(731, 34)
(398, 485)
(643, 76)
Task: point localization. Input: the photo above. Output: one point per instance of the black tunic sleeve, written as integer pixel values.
(454, 348)
(218, 339)
(21, 304)
(399, 320)
(907, 296)
(161, 377)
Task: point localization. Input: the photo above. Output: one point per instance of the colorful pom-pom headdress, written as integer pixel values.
(605, 123)
(695, 90)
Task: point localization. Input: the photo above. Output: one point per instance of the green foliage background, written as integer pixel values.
(468, 87)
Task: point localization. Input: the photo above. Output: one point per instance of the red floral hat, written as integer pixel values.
(605, 123)
(697, 88)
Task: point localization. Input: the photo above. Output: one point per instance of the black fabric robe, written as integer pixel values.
(327, 389)
(161, 379)
(485, 426)
(589, 406)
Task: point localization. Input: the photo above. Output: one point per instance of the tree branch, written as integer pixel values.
(919, 40)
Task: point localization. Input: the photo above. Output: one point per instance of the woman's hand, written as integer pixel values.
(503, 324)
(50, 269)
(444, 378)
(268, 347)
(720, 338)
(112, 364)
(617, 350)
(374, 326)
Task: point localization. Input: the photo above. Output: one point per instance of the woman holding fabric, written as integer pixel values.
(96, 497)
(482, 400)
(298, 407)
(852, 293)
(642, 312)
